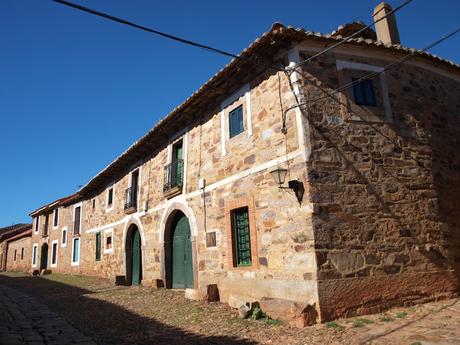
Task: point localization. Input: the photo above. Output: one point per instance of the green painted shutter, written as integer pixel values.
(241, 237)
(136, 262)
(98, 246)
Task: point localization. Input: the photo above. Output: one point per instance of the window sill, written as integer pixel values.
(172, 192)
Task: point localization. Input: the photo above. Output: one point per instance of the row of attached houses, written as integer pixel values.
(287, 188)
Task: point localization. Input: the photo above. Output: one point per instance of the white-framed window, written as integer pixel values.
(54, 253)
(64, 237)
(77, 217)
(108, 241)
(235, 116)
(132, 194)
(75, 251)
(34, 255)
(55, 218)
(37, 224)
(110, 198)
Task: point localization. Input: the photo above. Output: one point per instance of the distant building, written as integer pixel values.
(15, 245)
(371, 218)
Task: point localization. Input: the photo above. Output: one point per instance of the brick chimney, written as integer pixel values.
(387, 30)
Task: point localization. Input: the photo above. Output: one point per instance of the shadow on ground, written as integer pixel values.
(105, 322)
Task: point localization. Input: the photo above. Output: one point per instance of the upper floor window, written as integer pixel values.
(364, 92)
(98, 246)
(56, 218)
(174, 171)
(236, 121)
(37, 224)
(45, 226)
(77, 220)
(131, 192)
(110, 200)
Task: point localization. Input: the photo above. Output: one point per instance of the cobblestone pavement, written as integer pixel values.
(24, 320)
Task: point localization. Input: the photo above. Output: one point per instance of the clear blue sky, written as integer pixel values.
(76, 90)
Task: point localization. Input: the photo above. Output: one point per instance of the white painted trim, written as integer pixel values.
(107, 207)
(57, 253)
(54, 217)
(75, 263)
(245, 91)
(180, 198)
(80, 204)
(294, 59)
(342, 64)
(35, 255)
(129, 220)
(184, 159)
(106, 232)
(66, 236)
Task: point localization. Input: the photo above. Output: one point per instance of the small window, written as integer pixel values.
(54, 253)
(76, 251)
(64, 237)
(37, 223)
(77, 221)
(22, 253)
(364, 92)
(98, 246)
(15, 255)
(236, 121)
(108, 242)
(56, 218)
(241, 239)
(110, 197)
(94, 204)
(34, 255)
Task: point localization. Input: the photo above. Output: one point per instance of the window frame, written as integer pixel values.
(22, 253)
(37, 225)
(237, 111)
(77, 262)
(64, 230)
(80, 230)
(234, 213)
(34, 255)
(98, 248)
(108, 233)
(110, 207)
(15, 254)
(56, 218)
(230, 205)
(360, 92)
(54, 242)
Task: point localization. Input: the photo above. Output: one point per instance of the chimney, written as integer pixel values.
(387, 30)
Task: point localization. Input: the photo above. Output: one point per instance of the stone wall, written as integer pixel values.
(21, 261)
(385, 189)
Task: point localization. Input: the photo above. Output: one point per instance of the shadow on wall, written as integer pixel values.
(105, 322)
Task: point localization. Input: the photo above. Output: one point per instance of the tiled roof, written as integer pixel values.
(59, 202)
(279, 37)
(10, 231)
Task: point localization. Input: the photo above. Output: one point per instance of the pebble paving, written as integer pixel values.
(24, 320)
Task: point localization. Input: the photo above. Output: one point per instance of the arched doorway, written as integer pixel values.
(178, 249)
(44, 257)
(133, 256)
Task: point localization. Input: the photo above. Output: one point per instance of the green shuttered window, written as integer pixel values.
(236, 121)
(98, 246)
(241, 237)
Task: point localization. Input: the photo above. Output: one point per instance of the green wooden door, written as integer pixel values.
(44, 257)
(137, 259)
(182, 267)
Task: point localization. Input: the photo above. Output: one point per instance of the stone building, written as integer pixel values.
(367, 214)
(15, 244)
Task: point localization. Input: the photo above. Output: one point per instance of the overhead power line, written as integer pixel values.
(346, 39)
(372, 74)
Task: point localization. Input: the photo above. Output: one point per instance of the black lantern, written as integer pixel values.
(279, 175)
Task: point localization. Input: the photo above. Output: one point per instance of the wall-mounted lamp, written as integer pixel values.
(279, 175)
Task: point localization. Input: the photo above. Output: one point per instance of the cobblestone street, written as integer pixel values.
(24, 320)
(68, 309)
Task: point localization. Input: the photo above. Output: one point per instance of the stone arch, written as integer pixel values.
(132, 224)
(175, 208)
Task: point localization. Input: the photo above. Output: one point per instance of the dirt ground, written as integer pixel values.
(135, 315)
